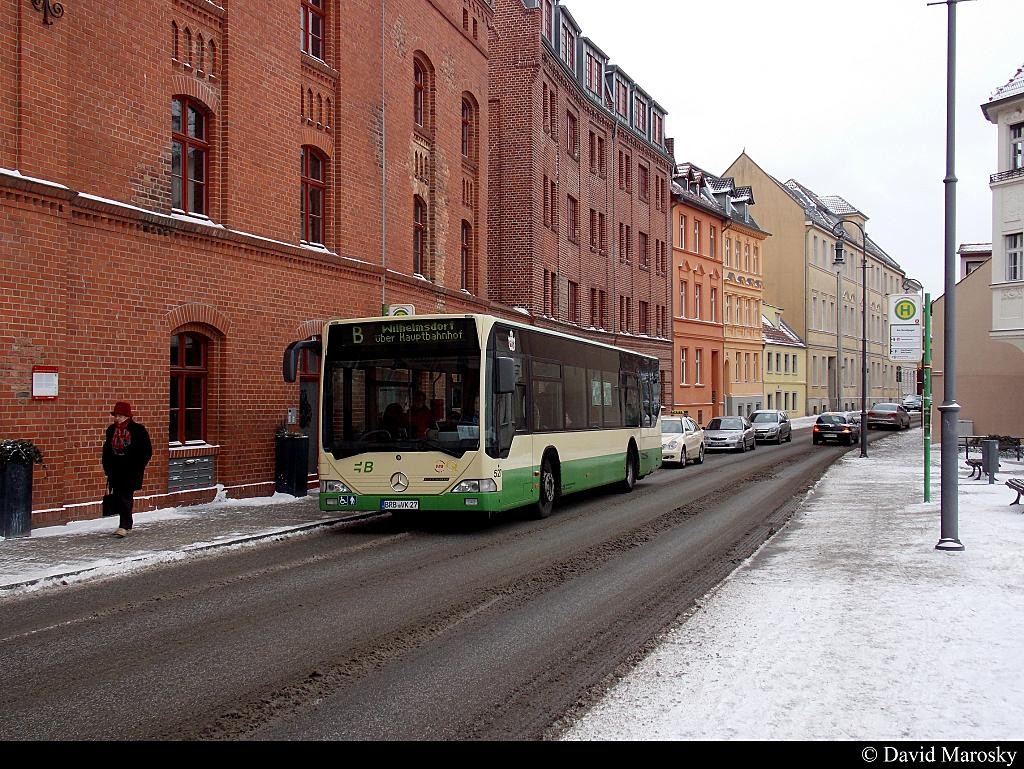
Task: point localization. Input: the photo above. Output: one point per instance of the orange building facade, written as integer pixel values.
(698, 335)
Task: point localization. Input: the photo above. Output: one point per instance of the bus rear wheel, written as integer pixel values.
(548, 488)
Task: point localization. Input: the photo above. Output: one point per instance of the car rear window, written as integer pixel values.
(725, 424)
(831, 419)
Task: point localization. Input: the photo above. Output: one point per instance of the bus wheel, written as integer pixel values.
(633, 470)
(548, 488)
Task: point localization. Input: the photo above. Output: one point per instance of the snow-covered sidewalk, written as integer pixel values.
(849, 624)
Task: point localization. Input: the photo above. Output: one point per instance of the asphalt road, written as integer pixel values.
(373, 630)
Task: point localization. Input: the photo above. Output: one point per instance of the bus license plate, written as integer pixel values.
(399, 504)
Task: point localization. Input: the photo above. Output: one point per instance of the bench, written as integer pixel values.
(1016, 484)
(1007, 444)
(975, 465)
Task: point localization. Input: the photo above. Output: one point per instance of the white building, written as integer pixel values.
(1006, 109)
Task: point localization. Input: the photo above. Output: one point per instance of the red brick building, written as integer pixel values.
(160, 243)
(580, 170)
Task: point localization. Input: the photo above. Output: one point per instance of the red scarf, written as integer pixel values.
(121, 438)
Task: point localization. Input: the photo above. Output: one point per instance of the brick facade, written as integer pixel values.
(557, 139)
(99, 272)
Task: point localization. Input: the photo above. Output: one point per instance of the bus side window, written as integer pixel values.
(633, 402)
(611, 392)
(576, 397)
(596, 418)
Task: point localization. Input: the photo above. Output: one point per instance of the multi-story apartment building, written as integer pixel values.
(160, 244)
(698, 333)
(785, 364)
(822, 301)
(1006, 109)
(990, 298)
(579, 175)
(743, 263)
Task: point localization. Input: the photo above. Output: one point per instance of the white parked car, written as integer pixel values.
(682, 441)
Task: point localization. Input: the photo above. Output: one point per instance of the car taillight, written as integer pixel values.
(846, 429)
(815, 429)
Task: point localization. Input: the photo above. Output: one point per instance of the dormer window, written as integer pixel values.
(568, 47)
(593, 73)
(640, 114)
(549, 21)
(621, 98)
(656, 129)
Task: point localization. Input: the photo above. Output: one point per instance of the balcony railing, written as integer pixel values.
(1002, 176)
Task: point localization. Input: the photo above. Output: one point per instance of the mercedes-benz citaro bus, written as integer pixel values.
(474, 413)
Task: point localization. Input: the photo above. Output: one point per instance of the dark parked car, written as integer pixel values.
(835, 426)
(730, 433)
(771, 425)
(888, 415)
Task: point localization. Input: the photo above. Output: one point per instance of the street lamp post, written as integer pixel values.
(840, 233)
(839, 336)
(949, 535)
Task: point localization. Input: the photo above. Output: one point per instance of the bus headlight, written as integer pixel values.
(475, 487)
(331, 487)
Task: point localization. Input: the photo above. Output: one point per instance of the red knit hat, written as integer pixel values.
(123, 408)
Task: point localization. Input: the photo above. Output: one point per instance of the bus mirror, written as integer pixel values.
(506, 376)
(290, 364)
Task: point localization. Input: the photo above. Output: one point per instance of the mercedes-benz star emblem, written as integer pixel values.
(399, 482)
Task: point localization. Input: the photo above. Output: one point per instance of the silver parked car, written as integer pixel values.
(888, 415)
(771, 425)
(682, 441)
(730, 434)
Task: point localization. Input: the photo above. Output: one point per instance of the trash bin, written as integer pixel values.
(291, 463)
(15, 499)
(990, 459)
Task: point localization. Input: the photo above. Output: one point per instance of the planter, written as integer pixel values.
(15, 499)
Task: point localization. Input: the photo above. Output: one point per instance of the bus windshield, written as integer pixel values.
(402, 385)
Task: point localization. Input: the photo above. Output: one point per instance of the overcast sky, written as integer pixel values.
(848, 98)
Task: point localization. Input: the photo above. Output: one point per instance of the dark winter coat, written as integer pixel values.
(125, 470)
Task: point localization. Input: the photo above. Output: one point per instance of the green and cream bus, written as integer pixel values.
(475, 413)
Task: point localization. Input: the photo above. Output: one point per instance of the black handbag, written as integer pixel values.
(111, 504)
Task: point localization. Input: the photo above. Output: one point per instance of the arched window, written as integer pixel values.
(419, 73)
(467, 255)
(314, 189)
(312, 17)
(188, 46)
(213, 58)
(419, 235)
(468, 130)
(201, 52)
(189, 371)
(190, 155)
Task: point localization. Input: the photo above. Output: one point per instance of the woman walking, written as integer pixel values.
(126, 452)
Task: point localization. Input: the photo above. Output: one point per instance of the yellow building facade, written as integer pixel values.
(785, 365)
(742, 285)
(821, 300)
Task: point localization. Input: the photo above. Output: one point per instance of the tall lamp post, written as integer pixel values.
(840, 234)
(949, 535)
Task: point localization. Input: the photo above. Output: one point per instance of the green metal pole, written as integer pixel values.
(926, 404)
